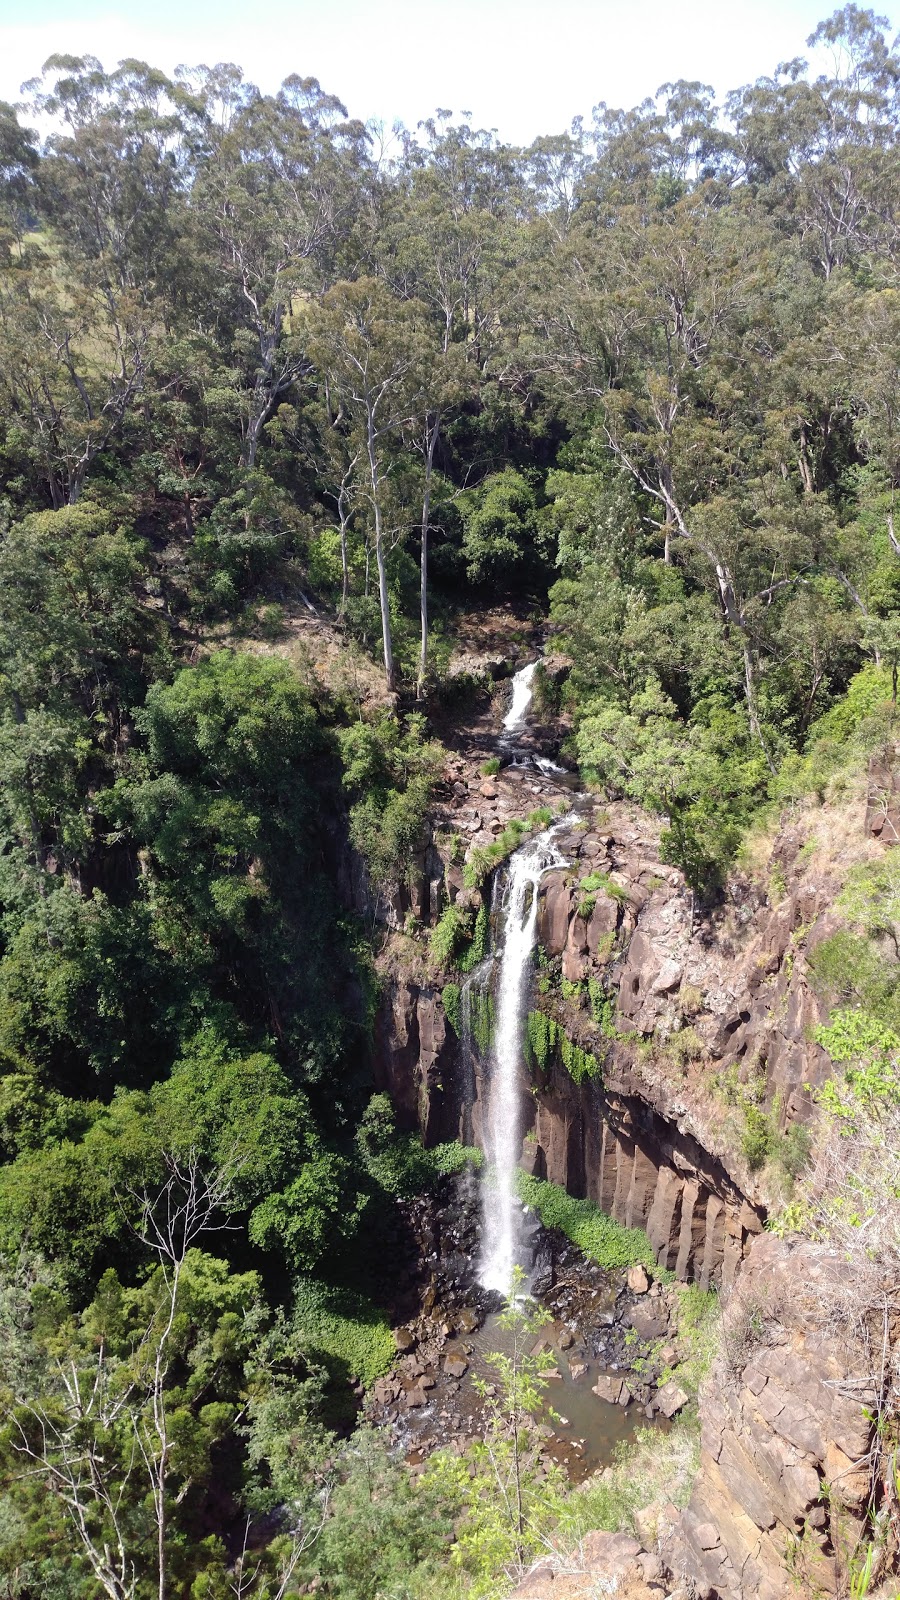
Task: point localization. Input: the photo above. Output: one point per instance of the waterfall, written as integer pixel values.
(502, 1215)
(521, 697)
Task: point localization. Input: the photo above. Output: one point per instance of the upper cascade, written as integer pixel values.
(522, 691)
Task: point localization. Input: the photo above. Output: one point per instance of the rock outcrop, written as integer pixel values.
(690, 1020)
(779, 1503)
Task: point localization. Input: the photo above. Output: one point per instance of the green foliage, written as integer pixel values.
(448, 933)
(398, 1163)
(654, 1468)
(699, 1316)
(757, 1137)
(587, 892)
(490, 768)
(501, 531)
(481, 1020)
(683, 1046)
(478, 944)
(868, 1051)
(460, 937)
(386, 1532)
(704, 776)
(546, 1041)
(451, 1001)
(389, 772)
(342, 1330)
(485, 858)
(596, 1234)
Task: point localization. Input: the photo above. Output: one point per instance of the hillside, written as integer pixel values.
(449, 790)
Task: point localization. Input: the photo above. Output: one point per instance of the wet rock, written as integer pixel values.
(609, 1387)
(467, 1320)
(455, 1366)
(566, 1339)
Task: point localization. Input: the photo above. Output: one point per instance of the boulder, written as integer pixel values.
(455, 1366)
(609, 1387)
(638, 1282)
(670, 1399)
(647, 1322)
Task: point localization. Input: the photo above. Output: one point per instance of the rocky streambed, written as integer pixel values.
(612, 1335)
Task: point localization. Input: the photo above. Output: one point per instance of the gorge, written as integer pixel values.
(449, 808)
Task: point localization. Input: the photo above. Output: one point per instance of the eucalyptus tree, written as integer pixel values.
(372, 352)
(81, 304)
(277, 192)
(823, 154)
(448, 226)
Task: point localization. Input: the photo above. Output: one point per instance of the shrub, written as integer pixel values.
(483, 860)
(587, 889)
(757, 1137)
(490, 768)
(343, 1331)
(684, 1046)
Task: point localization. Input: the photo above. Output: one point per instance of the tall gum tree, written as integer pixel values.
(373, 352)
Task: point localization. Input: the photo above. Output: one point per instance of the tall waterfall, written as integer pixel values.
(502, 1214)
(521, 697)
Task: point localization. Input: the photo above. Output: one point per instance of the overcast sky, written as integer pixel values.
(521, 66)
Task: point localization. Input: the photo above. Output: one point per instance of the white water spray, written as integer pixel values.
(502, 1213)
(521, 697)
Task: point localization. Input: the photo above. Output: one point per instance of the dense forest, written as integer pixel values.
(258, 361)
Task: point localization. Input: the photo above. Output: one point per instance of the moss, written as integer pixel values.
(546, 1041)
(451, 996)
(596, 1234)
(481, 1018)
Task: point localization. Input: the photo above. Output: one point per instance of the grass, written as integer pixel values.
(483, 860)
(596, 1234)
(699, 1323)
(653, 1468)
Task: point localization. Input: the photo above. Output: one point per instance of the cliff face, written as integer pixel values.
(693, 1029)
(696, 1025)
(780, 1499)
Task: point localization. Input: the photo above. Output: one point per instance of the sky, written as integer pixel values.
(523, 67)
